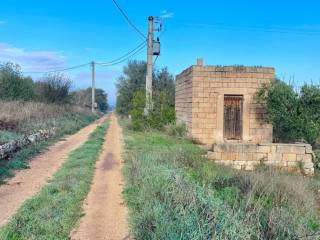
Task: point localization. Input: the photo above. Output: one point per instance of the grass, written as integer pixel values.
(64, 125)
(172, 192)
(7, 136)
(53, 212)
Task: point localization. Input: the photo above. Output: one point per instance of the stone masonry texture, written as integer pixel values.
(290, 157)
(200, 92)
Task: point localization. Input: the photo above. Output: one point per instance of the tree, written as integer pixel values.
(133, 80)
(83, 98)
(13, 86)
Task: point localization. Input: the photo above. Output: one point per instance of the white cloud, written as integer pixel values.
(166, 14)
(31, 60)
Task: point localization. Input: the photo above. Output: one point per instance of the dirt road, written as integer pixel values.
(105, 214)
(28, 182)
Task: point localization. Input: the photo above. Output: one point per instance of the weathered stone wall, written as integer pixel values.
(202, 110)
(290, 157)
(183, 98)
(7, 149)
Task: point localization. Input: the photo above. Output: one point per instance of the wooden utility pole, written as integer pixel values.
(93, 87)
(149, 67)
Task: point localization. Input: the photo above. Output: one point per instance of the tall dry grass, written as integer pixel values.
(15, 111)
(19, 115)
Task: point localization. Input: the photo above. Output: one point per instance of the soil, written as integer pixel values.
(28, 182)
(105, 215)
(7, 126)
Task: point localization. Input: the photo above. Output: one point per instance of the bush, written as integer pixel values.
(13, 86)
(139, 119)
(158, 118)
(295, 116)
(176, 130)
(54, 88)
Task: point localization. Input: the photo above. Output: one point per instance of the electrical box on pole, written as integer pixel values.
(156, 47)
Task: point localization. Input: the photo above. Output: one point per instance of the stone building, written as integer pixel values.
(218, 105)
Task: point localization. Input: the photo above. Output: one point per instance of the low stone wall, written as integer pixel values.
(290, 157)
(7, 149)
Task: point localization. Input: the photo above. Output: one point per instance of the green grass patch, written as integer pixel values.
(55, 210)
(7, 136)
(64, 126)
(174, 193)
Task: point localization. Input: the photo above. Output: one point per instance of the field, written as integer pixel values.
(172, 192)
(19, 118)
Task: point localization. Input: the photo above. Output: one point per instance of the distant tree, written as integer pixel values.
(13, 85)
(83, 98)
(54, 88)
(133, 80)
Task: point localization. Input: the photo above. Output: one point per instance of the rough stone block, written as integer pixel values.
(289, 157)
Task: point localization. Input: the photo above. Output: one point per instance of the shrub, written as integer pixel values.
(295, 116)
(158, 118)
(176, 130)
(54, 88)
(139, 120)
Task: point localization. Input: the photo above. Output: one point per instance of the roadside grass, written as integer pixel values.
(69, 124)
(172, 192)
(7, 136)
(54, 211)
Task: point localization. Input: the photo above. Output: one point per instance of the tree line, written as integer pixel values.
(52, 88)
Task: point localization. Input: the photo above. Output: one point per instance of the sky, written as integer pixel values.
(43, 35)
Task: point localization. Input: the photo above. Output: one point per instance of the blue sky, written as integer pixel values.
(44, 35)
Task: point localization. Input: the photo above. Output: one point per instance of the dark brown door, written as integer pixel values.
(233, 117)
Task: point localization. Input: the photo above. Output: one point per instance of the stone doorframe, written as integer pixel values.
(220, 93)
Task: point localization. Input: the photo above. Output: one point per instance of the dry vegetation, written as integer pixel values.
(29, 116)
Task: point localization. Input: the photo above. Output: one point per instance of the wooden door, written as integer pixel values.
(233, 105)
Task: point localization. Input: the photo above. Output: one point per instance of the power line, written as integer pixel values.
(220, 26)
(137, 51)
(116, 61)
(58, 70)
(128, 20)
(123, 56)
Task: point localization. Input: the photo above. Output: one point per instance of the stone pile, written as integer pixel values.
(7, 149)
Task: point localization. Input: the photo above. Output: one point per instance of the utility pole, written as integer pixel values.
(149, 67)
(93, 103)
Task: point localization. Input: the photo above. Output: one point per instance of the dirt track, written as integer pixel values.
(28, 182)
(105, 214)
